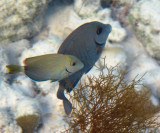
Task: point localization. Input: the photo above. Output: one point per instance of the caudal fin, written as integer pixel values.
(67, 106)
(12, 69)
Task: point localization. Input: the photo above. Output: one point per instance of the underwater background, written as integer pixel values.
(36, 27)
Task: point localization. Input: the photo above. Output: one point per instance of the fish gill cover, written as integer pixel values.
(111, 104)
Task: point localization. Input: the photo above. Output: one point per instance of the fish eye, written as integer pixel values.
(99, 30)
(72, 63)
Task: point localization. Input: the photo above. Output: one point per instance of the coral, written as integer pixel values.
(116, 3)
(28, 123)
(107, 3)
(25, 85)
(4, 117)
(125, 2)
(28, 114)
(145, 20)
(8, 101)
(147, 68)
(52, 111)
(15, 49)
(21, 19)
(114, 56)
(3, 63)
(110, 103)
(66, 19)
(7, 125)
(86, 8)
(48, 46)
(102, 15)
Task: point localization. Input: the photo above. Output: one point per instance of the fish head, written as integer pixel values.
(93, 39)
(86, 43)
(73, 65)
(101, 32)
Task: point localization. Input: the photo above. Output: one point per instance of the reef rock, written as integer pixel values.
(3, 63)
(8, 101)
(28, 114)
(7, 125)
(147, 70)
(20, 18)
(15, 49)
(67, 18)
(87, 7)
(126, 2)
(48, 46)
(115, 56)
(102, 15)
(145, 20)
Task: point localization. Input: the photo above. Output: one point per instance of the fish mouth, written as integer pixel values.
(67, 70)
(99, 44)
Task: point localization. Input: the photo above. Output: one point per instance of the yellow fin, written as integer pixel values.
(12, 69)
(52, 80)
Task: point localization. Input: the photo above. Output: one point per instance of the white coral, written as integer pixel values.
(145, 19)
(66, 19)
(20, 18)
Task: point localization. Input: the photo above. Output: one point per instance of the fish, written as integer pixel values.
(53, 67)
(86, 43)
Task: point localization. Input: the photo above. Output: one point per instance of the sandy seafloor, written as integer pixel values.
(21, 96)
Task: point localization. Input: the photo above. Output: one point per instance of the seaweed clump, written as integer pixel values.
(110, 104)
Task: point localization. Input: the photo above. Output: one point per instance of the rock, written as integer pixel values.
(142, 65)
(4, 117)
(86, 8)
(103, 15)
(66, 19)
(118, 33)
(106, 3)
(48, 46)
(7, 125)
(53, 112)
(147, 70)
(15, 49)
(152, 79)
(46, 86)
(8, 100)
(115, 56)
(126, 2)
(28, 114)
(3, 63)
(25, 85)
(118, 3)
(145, 20)
(21, 19)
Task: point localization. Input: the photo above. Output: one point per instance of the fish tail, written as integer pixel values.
(12, 69)
(67, 106)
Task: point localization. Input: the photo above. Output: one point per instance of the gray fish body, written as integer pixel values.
(86, 43)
